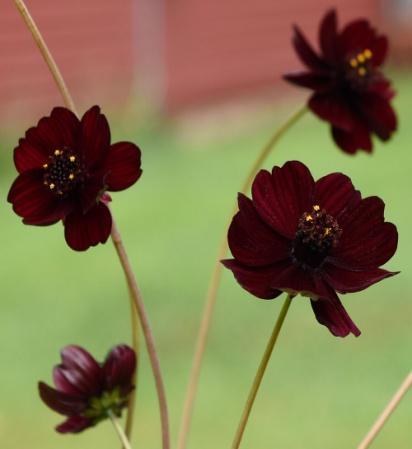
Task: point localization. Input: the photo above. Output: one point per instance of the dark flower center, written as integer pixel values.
(317, 233)
(63, 171)
(359, 69)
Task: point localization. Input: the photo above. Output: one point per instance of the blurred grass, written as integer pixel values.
(319, 391)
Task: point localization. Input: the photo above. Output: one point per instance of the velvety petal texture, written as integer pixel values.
(65, 167)
(349, 90)
(86, 390)
(311, 238)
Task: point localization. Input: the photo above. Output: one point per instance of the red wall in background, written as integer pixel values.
(189, 52)
(215, 47)
(91, 40)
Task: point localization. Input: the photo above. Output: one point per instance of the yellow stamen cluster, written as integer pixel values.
(359, 61)
(61, 172)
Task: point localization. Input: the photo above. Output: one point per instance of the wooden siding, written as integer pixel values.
(92, 43)
(217, 47)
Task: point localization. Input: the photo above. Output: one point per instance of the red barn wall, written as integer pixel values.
(216, 47)
(91, 41)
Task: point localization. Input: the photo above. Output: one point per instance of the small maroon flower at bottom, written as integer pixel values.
(87, 391)
(65, 167)
(349, 89)
(310, 238)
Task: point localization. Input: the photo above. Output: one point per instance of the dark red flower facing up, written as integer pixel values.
(65, 167)
(87, 391)
(314, 238)
(349, 90)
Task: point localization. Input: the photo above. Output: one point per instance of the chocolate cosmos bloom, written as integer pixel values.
(349, 91)
(87, 391)
(313, 238)
(65, 167)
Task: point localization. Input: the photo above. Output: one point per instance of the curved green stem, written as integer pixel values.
(211, 294)
(260, 372)
(147, 332)
(119, 430)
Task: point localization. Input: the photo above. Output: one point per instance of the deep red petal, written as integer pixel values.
(256, 281)
(119, 366)
(379, 48)
(379, 115)
(381, 87)
(94, 136)
(282, 197)
(368, 214)
(64, 381)
(122, 166)
(60, 402)
(28, 156)
(328, 36)
(351, 141)
(336, 194)
(345, 281)
(370, 250)
(333, 109)
(251, 241)
(93, 191)
(85, 230)
(82, 369)
(34, 202)
(51, 133)
(333, 315)
(355, 37)
(268, 282)
(317, 81)
(307, 55)
(75, 424)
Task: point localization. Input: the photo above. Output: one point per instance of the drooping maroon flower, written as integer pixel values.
(65, 167)
(310, 238)
(86, 390)
(349, 90)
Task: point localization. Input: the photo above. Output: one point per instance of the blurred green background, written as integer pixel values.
(319, 391)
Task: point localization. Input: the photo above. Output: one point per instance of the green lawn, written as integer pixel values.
(319, 391)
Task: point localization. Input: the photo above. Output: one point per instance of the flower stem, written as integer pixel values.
(389, 409)
(69, 103)
(147, 332)
(136, 347)
(45, 52)
(211, 295)
(119, 430)
(260, 372)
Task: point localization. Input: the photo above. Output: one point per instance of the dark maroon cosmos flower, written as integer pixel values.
(349, 90)
(313, 238)
(86, 390)
(65, 167)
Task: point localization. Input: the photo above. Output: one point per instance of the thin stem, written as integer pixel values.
(264, 153)
(135, 344)
(211, 295)
(389, 409)
(147, 332)
(119, 430)
(260, 372)
(45, 52)
(67, 98)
